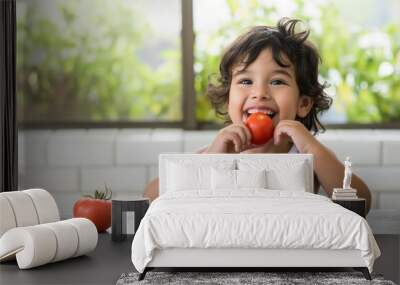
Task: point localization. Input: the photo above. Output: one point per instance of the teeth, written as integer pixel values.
(263, 110)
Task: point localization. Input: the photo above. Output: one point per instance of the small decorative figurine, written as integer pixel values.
(347, 174)
(346, 192)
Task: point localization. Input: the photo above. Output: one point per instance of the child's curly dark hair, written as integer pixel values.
(282, 40)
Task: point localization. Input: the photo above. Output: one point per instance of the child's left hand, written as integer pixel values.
(297, 132)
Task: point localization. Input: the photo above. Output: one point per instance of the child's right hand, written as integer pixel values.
(234, 138)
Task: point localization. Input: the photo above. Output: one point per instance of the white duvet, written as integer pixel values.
(250, 219)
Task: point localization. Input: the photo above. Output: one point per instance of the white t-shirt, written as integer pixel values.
(293, 149)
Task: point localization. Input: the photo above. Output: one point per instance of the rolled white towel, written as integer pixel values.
(40, 244)
(87, 235)
(45, 205)
(67, 240)
(33, 246)
(23, 208)
(7, 218)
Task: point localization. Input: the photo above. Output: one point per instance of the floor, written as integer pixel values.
(102, 266)
(110, 259)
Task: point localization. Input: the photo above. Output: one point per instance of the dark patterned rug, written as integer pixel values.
(228, 278)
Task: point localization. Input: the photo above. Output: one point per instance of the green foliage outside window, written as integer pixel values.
(363, 67)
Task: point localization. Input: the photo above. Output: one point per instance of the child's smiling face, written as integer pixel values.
(264, 86)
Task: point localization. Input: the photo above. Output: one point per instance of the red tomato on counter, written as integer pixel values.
(261, 128)
(96, 210)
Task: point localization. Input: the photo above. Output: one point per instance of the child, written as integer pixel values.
(274, 70)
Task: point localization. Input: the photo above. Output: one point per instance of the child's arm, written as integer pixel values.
(329, 170)
(151, 190)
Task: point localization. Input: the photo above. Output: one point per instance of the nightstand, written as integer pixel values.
(120, 209)
(355, 205)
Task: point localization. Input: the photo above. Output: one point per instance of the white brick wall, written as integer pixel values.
(380, 178)
(118, 178)
(144, 148)
(83, 149)
(366, 153)
(70, 163)
(36, 144)
(391, 152)
(53, 179)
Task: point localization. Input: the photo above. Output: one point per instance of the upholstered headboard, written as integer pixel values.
(284, 165)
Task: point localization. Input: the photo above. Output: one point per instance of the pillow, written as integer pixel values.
(292, 179)
(223, 179)
(288, 174)
(190, 174)
(251, 178)
(189, 177)
(228, 179)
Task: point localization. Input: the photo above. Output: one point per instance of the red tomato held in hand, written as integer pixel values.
(96, 210)
(261, 128)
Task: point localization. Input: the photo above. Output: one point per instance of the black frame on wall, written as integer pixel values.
(8, 126)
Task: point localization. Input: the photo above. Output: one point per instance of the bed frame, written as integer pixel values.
(250, 258)
(247, 259)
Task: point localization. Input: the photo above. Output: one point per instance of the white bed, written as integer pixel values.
(247, 211)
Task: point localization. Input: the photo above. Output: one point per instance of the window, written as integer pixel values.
(120, 61)
(360, 51)
(98, 61)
